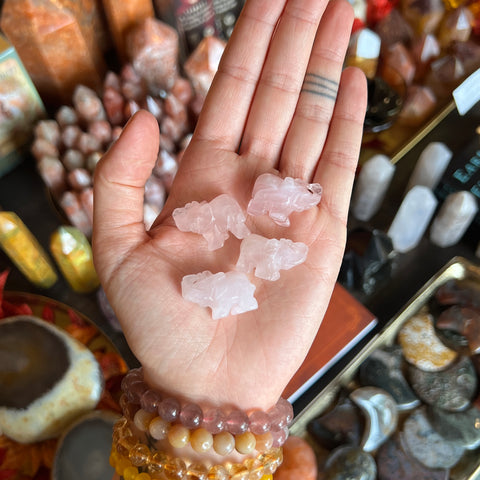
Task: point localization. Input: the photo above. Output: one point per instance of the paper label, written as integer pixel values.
(467, 94)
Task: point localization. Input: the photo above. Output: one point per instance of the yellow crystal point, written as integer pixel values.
(73, 254)
(24, 251)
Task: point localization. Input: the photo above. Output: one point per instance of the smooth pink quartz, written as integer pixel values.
(213, 220)
(279, 197)
(268, 256)
(225, 293)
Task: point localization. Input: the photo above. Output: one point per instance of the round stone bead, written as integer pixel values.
(223, 443)
(142, 419)
(287, 409)
(175, 469)
(197, 471)
(125, 444)
(136, 390)
(149, 401)
(158, 428)
(139, 455)
(238, 472)
(191, 415)
(245, 443)
(218, 472)
(213, 420)
(255, 468)
(169, 409)
(201, 440)
(259, 422)
(237, 422)
(271, 460)
(279, 436)
(157, 464)
(178, 436)
(130, 473)
(143, 476)
(264, 442)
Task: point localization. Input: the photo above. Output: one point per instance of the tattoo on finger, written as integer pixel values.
(320, 85)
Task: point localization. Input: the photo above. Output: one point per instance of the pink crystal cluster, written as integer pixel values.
(68, 147)
(232, 292)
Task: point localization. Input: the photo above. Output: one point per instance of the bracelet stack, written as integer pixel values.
(155, 425)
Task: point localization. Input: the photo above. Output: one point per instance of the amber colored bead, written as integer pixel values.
(125, 444)
(264, 442)
(201, 440)
(130, 473)
(139, 455)
(223, 443)
(175, 469)
(157, 464)
(158, 428)
(196, 471)
(122, 464)
(271, 460)
(238, 471)
(245, 443)
(255, 468)
(178, 436)
(142, 419)
(218, 472)
(142, 476)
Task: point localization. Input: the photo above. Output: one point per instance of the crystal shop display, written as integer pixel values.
(268, 256)
(412, 218)
(371, 186)
(74, 257)
(24, 251)
(57, 43)
(452, 221)
(33, 410)
(122, 17)
(279, 197)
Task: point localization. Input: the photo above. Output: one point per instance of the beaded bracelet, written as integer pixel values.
(133, 460)
(138, 395)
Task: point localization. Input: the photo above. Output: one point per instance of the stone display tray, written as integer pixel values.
(458, 268)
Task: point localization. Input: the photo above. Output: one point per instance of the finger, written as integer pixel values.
(228, 102)
(281, 80)
(119, 191)
(309, 127)
(336, 169)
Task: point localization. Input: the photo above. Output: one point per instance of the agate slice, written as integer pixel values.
(383, 369)
(268, 256)
(424, 443)
(394, 463)
(381, 415)
(212, 219)
(225, 293)
(348, 462)
(280, 197)
(421, 346)
(451, 389)
(47, 379)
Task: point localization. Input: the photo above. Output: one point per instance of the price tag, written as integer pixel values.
(467, 94)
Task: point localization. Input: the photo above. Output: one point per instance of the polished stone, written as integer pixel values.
(424, 443)
(384, 369)
(398, 66)
(412, 218)
(463, 427)
(299, 460)
(456, 26)
(394, 28)
(425, 49)
(394, 463)
(455, 216)
(279, 197)
(343, 424)
(381, 415)
(424, 15)
(422, 347)
(268, 256)
(430, 166)
(225, 293)
(453, 292)
(419, 104)
(348, 462)
(465, 321)
(371, 186)
(451, 389)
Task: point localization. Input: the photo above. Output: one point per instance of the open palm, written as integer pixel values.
(280, 102)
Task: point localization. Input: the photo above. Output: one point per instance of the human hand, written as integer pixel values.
(279, 102)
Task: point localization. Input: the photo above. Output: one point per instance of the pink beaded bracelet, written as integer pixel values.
(137, 394)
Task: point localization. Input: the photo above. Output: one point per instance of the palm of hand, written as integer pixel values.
(247, 359)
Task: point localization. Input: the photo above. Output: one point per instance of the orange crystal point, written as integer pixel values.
(57, 44)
